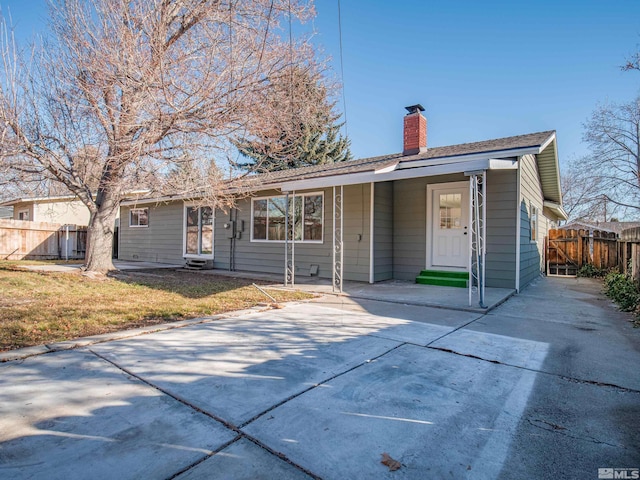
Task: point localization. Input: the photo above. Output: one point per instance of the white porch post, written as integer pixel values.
(338, 256)
(477, 244)
(290, 241)
(484, 235)
(470, 241)
(371, 234)
(286, 240)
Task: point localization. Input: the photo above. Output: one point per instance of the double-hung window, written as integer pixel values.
(198, 234)
(139, 217)
(306, 215)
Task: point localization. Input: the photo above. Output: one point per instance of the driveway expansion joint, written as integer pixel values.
(557, 375)
(550, 427)
(316, 385)
(226, 423)
(205, 457)
(456, 329)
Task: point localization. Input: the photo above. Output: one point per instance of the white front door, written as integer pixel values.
(449, 234)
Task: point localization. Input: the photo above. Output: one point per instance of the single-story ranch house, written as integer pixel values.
(473, 214)
(58, 209)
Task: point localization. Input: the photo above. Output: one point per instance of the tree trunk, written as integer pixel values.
(100, 236)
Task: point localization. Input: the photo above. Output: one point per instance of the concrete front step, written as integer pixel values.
(195, 264)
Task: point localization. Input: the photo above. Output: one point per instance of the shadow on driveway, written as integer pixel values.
(322, 389)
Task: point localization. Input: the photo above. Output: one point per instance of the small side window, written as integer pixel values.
(139, 217)
(533, 223)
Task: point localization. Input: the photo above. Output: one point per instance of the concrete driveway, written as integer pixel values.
(545, 386)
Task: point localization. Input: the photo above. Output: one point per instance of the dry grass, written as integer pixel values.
(38, 308)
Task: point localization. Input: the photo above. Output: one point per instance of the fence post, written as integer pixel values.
(66, 243)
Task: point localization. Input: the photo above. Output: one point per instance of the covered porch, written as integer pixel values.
(463, 238)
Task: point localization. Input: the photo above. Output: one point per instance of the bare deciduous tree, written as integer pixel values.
(632, 63)
(580, 191)
(123, 92)
(613, 134)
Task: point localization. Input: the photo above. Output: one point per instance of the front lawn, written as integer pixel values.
(38, 308)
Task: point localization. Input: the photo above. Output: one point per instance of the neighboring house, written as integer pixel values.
(375, 219)
(6, 212)
(61, 209)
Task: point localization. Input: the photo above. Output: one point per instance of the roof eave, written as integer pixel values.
(445, 168)
(557, 209)
(551, 188)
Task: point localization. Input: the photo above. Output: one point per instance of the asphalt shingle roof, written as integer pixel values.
(375, 163)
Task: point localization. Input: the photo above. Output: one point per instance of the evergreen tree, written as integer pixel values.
(308, 135)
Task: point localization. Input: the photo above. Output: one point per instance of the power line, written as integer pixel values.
(344, 100)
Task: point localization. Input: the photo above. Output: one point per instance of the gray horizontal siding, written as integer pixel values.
(410, 224)
(161, 241)
(383, 231)
(502, 193)
(268, 257)
(531, 255)
(409, 227)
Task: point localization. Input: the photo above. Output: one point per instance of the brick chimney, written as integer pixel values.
(415, 131)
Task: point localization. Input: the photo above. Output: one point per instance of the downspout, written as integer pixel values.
(371, 243)
(518, 220)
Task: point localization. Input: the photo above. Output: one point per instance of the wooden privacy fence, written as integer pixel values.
(569, 250)
(40, 240)
(630, 252)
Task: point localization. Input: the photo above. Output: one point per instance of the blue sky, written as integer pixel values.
(483, 69)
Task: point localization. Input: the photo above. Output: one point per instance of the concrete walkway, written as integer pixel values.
(119, 264)
(545, 386)
(394, 291)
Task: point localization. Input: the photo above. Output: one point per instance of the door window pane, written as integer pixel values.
(192, 230)
(450, 210)
(199, 231)
(260, 219)
(206, 233)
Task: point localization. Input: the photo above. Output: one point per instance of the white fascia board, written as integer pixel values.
(556, 208)
(37, 200)
(551, 138)
(388, 168)
(501, 164)
(369, 177)
(501, 154)
(146, 201)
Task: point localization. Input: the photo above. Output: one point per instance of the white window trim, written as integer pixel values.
(26, 210)
(184, 233)
(138, 209)
(305, 194)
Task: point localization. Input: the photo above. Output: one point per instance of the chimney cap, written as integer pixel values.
(414, 108)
